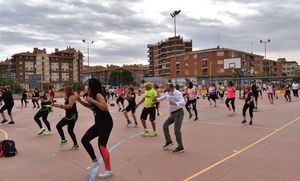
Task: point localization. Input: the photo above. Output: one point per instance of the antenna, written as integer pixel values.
(218, 36)
(251, 47)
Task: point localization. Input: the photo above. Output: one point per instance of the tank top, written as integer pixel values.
(44, 104)
(71, 112)
(131, 100)
(100, 116)
(230, 92)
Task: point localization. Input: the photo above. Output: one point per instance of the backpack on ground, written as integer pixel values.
(7, 148)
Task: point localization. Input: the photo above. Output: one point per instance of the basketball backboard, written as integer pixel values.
(232, 63)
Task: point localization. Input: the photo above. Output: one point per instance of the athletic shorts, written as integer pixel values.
(120, 99)
(6, 107)
(148, 111)
(130, 108)
(156, 105)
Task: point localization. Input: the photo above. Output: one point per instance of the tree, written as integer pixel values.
(262, 74)
(15, 87)
(120, 77)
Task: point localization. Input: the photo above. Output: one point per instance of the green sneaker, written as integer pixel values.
(63, 143)
(74, 148)
(153, 134)
(146, 133)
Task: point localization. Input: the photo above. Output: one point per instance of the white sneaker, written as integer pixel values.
(92, 166)
(41, 131)
(105, 173)
(47, 133)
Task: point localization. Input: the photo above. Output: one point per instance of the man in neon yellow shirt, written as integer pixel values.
(149, 109)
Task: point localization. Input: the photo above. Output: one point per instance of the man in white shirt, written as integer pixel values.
(295, 87)
(176, 104)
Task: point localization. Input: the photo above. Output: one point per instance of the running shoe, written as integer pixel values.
(136, 125)
(11, 122)
(190, 116)
(105, 174)
(168, 145)
(129, 124)
(4, 121)
(119, 109)
(195, 119)
(92, 166)
(178, 150)
(244, 121)
(47, 132)
(250, 123)
(63, 143)
(74, 148)
(153, 134)
(42, 130)
(146, 133)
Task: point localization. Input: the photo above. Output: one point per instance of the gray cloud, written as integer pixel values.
(66, 22)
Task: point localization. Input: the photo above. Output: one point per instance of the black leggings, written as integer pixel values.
(35, 101)
(295, 92)
(102, 131)
(24, 100)
(44, 114)
(71, 124)
(287, 95)
(194, 104)
(231, 100)
(251, 107)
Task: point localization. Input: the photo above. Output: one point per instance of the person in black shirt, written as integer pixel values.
(248, 97)
(35, 97)
(44, 112)
(254, 92)
(70, 118)
(131, 107)
(8, 105)
(287, 94)
(24, 98)
(102, 127)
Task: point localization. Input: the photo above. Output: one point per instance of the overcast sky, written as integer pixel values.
(122, 29)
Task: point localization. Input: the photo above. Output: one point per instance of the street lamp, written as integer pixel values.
(88, 49)
(173, 15)
(265, 44)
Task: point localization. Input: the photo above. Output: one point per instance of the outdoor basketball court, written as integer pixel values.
(217, 147)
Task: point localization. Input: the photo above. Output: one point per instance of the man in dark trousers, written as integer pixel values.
(8, 104)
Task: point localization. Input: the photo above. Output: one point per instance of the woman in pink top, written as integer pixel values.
(270, 92)
(230, 96)
(191, 99)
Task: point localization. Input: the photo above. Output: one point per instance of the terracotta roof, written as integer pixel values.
(24, 54)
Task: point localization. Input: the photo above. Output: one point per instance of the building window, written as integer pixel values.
(204, 55)
(220, 53)
(195, 56)
(220, 62)
(220, 70)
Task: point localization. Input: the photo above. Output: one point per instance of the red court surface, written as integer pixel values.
(217, 147)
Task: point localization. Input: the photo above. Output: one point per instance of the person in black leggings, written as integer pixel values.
(24, 98)
(249, 103)
(102, 127)
(70, 118)
(44, 112)
(8, 104)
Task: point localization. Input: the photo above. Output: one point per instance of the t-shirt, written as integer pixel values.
(269, 89)
(149, 96)
(221, 89)
(295, 86)
(254, 89)
(248, 96)
(131, 99)
(230, 92)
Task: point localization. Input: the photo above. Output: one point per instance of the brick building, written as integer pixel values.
(103, 73)
(289, 67)
(208, 64)
(38, 69)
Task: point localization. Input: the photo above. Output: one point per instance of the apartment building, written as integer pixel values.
(39, 69)
(289, 67)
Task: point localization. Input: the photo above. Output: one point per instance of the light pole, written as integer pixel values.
(210, 63)
(265, 44)
(88, 52)
(173, 15)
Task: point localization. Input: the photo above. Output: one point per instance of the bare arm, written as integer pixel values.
(143, 100)
(99, 102)
(72, 100)
(84, 103)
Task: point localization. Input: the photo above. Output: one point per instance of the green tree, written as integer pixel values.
(15, 87)
(262, 74)
(121, 77)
